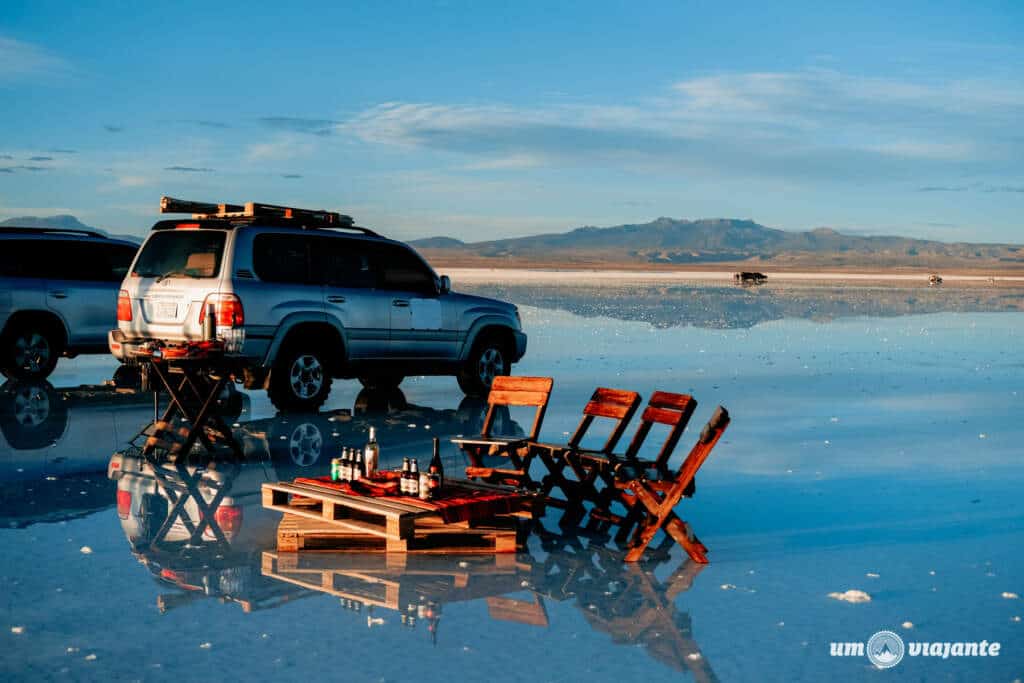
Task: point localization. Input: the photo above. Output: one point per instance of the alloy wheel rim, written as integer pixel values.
(305, 444)
(492, 364)
(306, 376)
(31, 352)
(31, 406)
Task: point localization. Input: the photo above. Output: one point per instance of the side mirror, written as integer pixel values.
(445, 285)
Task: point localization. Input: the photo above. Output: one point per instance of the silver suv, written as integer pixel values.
(301, 297)
(58, 288)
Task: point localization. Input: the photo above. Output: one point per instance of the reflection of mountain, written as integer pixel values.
(741, 307)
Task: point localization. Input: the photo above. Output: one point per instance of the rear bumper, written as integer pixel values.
(126, 349)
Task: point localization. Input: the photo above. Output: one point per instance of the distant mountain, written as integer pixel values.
(669, 241)
(64, 222)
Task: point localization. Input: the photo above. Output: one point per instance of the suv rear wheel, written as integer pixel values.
(300, 380)
(30, 351)
(488, 359)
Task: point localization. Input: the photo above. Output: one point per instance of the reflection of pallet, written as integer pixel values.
(394, 581)
(429, 535)
(355, 522)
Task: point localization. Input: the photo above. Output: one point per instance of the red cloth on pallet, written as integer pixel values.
(454, 504)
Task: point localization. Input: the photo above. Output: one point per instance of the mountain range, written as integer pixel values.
(677, 242)
(63, 222)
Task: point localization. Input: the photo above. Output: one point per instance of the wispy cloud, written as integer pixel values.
(20, 60)
(63, 151)
(40, 158)
(281, 148)
(189, 169)
(814, 124)
(973, 187)
(211, 124)
(320, 127)
(291, 176)
(111, 128)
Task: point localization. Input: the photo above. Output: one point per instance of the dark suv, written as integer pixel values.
(58, 295)
(301, 297)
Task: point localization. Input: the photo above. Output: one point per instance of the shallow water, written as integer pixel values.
(875, 445)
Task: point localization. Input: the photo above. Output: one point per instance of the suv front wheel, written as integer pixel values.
(300, 380)
(488, 359)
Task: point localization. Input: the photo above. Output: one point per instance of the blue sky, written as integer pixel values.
(490, 119)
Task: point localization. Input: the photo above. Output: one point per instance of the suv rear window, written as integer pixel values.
(182, 253)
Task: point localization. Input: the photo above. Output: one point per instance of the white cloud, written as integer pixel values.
(19, 59)
(812, 124)
(278, 149)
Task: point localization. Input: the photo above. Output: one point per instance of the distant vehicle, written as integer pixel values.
(301, 297)
(934, 279)
(749, 278)
(58, 296)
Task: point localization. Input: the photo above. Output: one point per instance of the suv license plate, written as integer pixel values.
(167, 309)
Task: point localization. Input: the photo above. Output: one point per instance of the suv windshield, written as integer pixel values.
(181, 253)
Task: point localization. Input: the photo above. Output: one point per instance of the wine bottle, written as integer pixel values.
(436, 467)
(403, 484)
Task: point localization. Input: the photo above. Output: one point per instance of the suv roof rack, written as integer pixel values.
(40, 230)
(252, 211)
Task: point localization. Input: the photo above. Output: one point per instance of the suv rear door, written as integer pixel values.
(172, 276)
(82, 281)
(345, 267)
(423, 324)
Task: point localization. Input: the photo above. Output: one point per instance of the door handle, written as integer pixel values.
(335, 299)
(401, 303)
(59, 294)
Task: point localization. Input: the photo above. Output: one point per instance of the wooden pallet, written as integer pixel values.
(430, 535)
(358, 523)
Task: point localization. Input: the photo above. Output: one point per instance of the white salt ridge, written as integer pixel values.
(872, 575)
(851, 595)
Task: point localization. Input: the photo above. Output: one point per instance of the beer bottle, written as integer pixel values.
(403, 484)
(414, 478)
(346, 465)
(371, 453)
(335, 466)
(357, 464)
(436, 467)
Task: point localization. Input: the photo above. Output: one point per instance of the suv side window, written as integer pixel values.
(282, 258)
(87, 261)
(401, 269)
(341, 262)
(17, 258)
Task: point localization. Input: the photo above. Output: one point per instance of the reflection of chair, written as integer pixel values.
(201, 264)
(507, 391)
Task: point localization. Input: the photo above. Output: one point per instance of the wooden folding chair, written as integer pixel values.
(507, 391)
(672, 410)
(614, 404)
(657, 498)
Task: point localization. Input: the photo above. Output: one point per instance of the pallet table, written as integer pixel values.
(471, 518)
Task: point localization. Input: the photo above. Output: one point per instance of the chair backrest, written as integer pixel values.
(709, 436)
(664, 408)
(518, 391)
(614, 404)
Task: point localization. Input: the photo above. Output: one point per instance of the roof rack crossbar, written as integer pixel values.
(69, 231)
(305, 218)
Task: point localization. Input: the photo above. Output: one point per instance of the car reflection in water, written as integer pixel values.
(198, 523)
(55, 445)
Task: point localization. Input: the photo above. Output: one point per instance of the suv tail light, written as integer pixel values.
(229, 519)
(124, 306)
(124, 503)
(228, 308)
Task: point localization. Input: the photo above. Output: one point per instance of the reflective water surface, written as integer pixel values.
(875, 446)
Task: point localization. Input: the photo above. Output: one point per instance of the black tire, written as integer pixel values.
(30, 351)
(300, 380)
(381, 382)
(489, 358)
